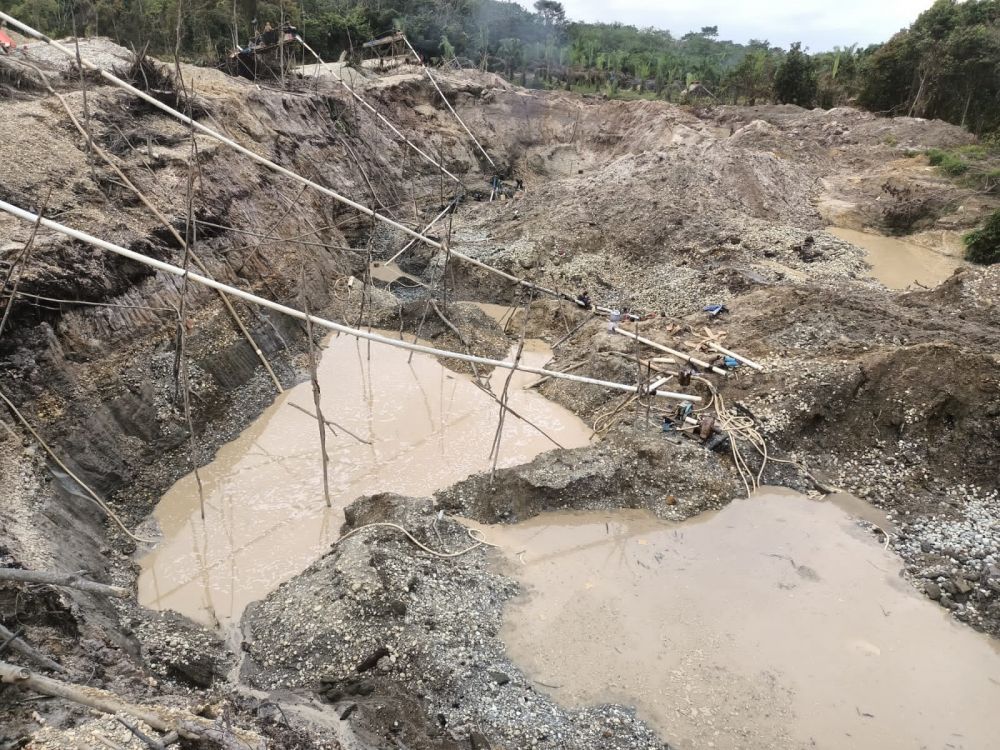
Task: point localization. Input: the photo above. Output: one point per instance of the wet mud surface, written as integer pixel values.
(899, 264)
(402, 425)
(729, 630)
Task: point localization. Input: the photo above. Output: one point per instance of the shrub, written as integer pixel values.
(953, 165)
(935, 155)
(983, 245)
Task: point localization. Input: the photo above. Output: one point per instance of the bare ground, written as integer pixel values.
(894, 396)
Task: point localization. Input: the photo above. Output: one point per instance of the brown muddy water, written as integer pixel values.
(265, 517)
(776, 622)
(897, 263)
(390, 273)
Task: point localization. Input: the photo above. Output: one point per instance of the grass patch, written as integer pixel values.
(975, 151)
(948, 162)
(977, 164)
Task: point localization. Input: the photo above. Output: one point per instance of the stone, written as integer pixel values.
(932, 590)
(478, 741)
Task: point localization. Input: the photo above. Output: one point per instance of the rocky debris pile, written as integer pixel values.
(102, 51)
(180, 650)
(973, 293)
(843, 126)
(631, 468)
(93, 733)
(378, 616)
(478, 333)
(955, 552)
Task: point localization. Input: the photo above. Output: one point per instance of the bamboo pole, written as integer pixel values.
(425, 230)
(21, 262)
(420, 328)
(570, 335)
(331, 425)
(458, 334)
(100, 700)
(69, 580)
(190, 237)
(516, 415)
(536, 383)
(299, 315)
(15, 643)
(495, 452)
(92, 496)
(187, 726)
(314, 379)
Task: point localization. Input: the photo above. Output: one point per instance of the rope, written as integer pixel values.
(342, 283)
(738, 426)
(392, 127)
(93, 496)
(475, 534)
(298, 314)
(448, 104)
(95, 304)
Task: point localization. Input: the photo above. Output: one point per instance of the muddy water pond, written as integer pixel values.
(897, 263)
(425, 428)
(776, 622)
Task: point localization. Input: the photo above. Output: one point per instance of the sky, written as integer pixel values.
(818, 24)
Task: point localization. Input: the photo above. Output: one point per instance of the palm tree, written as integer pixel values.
(511, 51)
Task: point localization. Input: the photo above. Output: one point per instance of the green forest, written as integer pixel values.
(946, 65)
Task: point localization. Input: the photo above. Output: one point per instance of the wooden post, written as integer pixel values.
(314, 379)
(63, 579)
(13, 640)
(170, 721)
(22, 261)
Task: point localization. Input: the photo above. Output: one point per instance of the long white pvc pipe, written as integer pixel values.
(674, 352)
(27, 216)
(265, 161)
(305, 181)
(734, 355)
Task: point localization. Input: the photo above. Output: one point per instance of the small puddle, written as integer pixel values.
(389, 273)
(265, 517)
(899, 264)
(775, 622)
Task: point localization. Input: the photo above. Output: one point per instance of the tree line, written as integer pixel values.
(945, 65)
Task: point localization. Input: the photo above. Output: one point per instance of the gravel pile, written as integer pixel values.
(630, 468)
(954, 555)
(377, 613)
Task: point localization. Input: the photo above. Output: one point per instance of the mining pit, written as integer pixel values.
(409, 426)
(827, 576)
